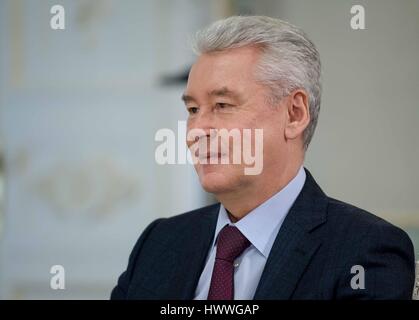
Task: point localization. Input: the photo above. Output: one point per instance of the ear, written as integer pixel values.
(298, 115)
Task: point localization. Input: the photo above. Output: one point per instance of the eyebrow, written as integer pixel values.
(186, 98)
(222, 92)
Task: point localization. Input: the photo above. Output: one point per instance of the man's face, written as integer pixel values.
(222, 93)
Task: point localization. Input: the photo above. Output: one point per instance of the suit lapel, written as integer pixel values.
(294, 245)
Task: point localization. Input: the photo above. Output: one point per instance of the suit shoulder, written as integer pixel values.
(184, 224)
(359, 221)
(193, 215)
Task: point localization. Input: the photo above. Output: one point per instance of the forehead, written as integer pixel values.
(233, 68)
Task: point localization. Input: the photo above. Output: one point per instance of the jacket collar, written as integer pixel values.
(295, 243)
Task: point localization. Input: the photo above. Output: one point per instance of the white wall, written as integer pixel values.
(79, 109)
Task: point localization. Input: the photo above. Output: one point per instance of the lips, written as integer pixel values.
(209, 156)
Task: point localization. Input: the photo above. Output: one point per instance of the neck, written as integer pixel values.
(239, 203)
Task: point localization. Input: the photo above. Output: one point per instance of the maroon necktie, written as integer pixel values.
(230, 244)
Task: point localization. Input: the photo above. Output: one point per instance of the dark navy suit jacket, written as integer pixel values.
(319, 242)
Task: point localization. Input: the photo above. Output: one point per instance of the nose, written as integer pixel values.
(200, 126)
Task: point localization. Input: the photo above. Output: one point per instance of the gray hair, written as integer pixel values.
(289, 60)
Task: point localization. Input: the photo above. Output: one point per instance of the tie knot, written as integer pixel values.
(231, 243)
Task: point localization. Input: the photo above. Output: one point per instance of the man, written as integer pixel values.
(274, 234)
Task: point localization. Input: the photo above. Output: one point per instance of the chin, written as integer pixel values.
(215, 182)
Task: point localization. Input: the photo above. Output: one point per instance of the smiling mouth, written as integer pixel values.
(210, 156)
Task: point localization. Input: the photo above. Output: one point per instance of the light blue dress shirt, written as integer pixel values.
(260, 227)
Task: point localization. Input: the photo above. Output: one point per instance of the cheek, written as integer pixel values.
(273, 136)
(273, 132)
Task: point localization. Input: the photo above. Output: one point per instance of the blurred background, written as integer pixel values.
(79, 109)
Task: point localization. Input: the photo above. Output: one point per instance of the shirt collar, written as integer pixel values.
(261, 225)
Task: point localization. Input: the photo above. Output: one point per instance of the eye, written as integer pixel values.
(220, 105)
(192, 110)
